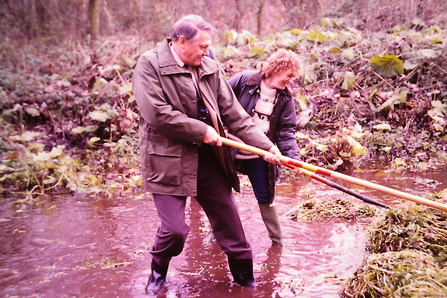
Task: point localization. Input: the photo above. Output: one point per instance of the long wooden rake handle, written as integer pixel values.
(336, 186)
(319, 170)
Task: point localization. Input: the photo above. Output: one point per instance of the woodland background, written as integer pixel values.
(69, 119)
(59, 21)
(372, 94)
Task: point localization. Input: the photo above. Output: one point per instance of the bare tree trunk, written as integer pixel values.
(238, 16)
(259, 17)
(413, 8)
(94, 9)
(108, 20)
(33, 29)
(31, 25)
(320, 7)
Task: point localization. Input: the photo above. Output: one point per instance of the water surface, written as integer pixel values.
(74, 246)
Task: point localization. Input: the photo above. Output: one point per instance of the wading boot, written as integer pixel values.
(157, 277)
(271, 221)
(242, 271)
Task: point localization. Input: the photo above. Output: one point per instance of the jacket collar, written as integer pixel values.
(168, 64)
(255, 78)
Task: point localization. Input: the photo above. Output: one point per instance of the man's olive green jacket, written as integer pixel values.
(170, 133)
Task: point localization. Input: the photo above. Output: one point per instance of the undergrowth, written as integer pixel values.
(69, 119)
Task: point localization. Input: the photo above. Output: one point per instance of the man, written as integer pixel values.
(184, 102)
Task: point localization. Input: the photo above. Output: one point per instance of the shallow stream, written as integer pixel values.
(98, 247)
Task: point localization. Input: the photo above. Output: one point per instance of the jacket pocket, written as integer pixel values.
(164, 162)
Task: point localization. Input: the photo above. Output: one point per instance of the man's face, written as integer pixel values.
(192, 53)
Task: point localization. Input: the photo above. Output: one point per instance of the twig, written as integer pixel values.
(441, 69)
(385, 81)
(411, 74)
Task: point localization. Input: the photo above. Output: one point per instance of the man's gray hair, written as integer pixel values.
(189, 27)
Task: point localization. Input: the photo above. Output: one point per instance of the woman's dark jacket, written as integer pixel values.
(247, 87)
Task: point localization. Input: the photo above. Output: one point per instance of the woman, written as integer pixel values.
(265, 96)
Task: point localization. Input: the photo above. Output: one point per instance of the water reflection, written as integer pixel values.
(98, 247)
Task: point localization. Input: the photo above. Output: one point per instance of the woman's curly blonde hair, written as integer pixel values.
(279, 61)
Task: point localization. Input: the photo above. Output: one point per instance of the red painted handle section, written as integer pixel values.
(300, 164)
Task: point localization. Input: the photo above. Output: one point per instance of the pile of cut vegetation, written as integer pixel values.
(315, 209)
(408, 255)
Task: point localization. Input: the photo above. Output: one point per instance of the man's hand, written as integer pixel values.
(274, 156)
(212, 137)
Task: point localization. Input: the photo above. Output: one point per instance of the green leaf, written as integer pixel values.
(439, 105)
(317, 36)
(57, 151)
(320, 147)
(400, 97)
(398, 28)
(288, 43)
(131, 99)
(78, 130)
(111, 68)
(26, 136)
(130, 62)
(126, 88)
(92, 141)
(296, 31)
(309, 76)
(41, 156)
(245, 38)
(32, 111)
(348, 53)
(230, 37)
(357, 148)
(396, 98)
(348, 81)
(91, 128)
(382, 126)
(418, 22)
(429, 53)
(387, 66)
(99, 84)
(229, 52)
(49, 180)
(335, 50)
(408, 64)
(81, 129)
(99, 116)
(327, 22)
(399, 162)
(302, 100)
(256, 52)
(436, 40)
